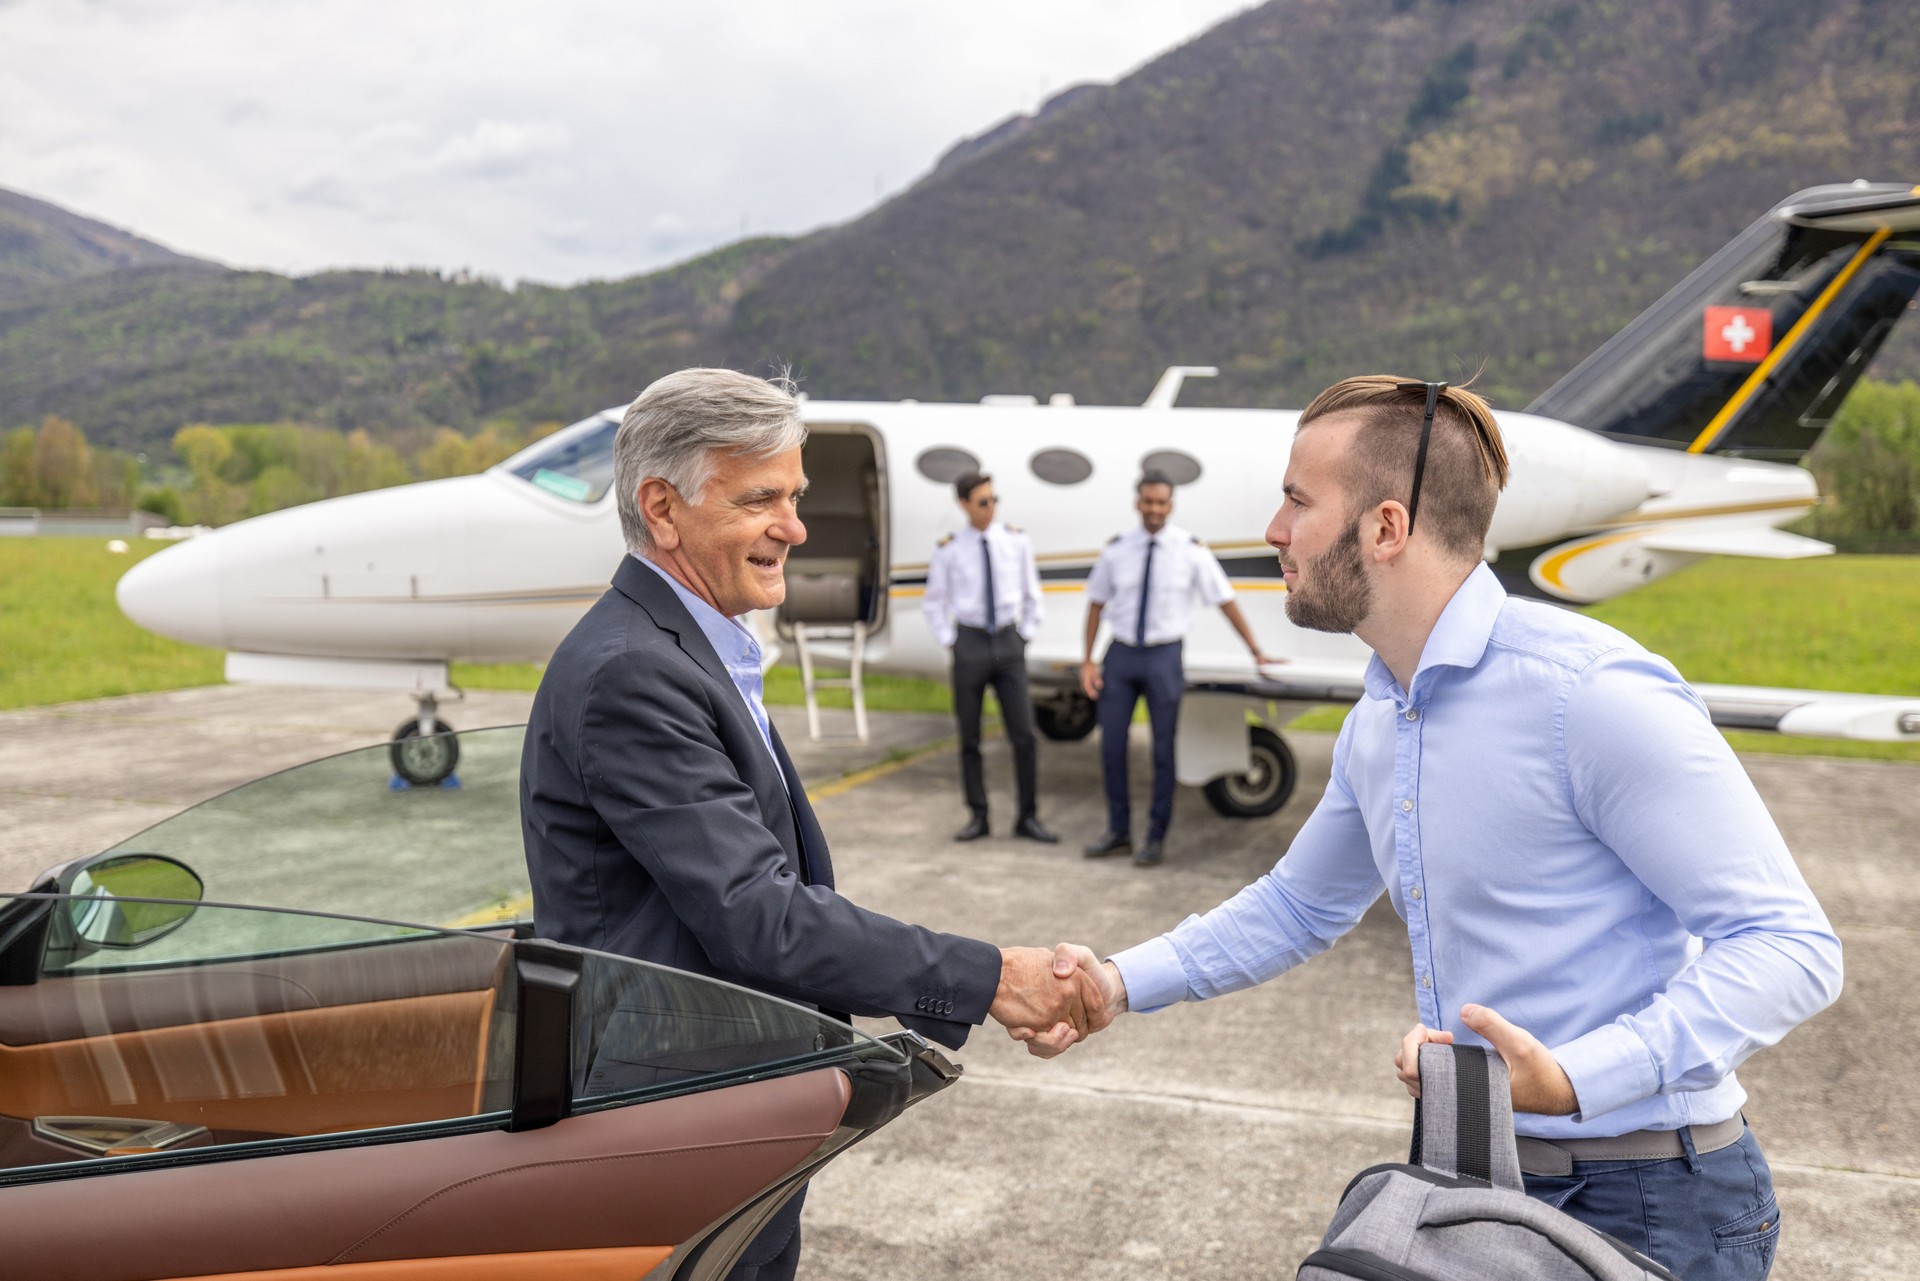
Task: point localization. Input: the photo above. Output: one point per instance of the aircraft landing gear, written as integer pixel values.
(424, 750)
(1265, 787)
(1066, 717)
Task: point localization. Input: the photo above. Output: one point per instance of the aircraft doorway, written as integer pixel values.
(837, 580)
(839, 575)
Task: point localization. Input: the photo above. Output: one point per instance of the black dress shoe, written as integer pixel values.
(974, 830)
(1150, 854)
(1109, 842)
(1030, 828)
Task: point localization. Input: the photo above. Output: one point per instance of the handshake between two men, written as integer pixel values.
(1050, 1000)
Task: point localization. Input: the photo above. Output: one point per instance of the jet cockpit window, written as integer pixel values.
(576, 464)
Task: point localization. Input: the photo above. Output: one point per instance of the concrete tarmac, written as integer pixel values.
(1208, 1140)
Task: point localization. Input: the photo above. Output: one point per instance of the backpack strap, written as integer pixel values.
(1463, 1119)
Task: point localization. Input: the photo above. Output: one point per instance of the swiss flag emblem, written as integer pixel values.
(1742, 334)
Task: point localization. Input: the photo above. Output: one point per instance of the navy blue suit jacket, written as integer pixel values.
(658, 827)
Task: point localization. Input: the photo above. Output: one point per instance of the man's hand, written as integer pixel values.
(1090, 681)
(1032, 998)
(1406, 1061)
(1265, 660)
(1539, 1083)
(1104, 991)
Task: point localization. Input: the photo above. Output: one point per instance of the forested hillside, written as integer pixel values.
(42, 244)
(1313, 188)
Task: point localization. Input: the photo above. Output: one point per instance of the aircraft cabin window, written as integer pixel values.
(1178, 467)
(945, 464)
(576, 464)
(1061, 466)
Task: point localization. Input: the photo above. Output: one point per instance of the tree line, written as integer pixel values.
(1867, 463)
(220, 474)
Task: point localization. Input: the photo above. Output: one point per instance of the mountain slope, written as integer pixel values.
(43, 244)
(1316, 188)
(1311, 189)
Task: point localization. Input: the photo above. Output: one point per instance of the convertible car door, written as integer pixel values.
(271, 1094)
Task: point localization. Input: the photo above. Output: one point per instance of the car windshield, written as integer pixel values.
(338, 835)
(575, 463)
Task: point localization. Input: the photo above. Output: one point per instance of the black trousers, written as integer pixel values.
(774, 1255)
(998, 659)
(1129, 674)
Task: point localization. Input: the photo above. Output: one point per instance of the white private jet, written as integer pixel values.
(1672, 442)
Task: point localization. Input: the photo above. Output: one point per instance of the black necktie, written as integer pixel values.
(986, 555)
(1146, 586)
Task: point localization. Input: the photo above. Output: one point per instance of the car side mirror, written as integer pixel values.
(100, 918)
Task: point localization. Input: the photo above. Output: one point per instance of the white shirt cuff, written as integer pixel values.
(1609, 1067)
(1154, 976)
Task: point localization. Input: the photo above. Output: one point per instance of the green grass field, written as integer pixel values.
(1839, 622)
(61, 636)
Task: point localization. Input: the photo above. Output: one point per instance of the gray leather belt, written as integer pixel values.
(1556, 1156)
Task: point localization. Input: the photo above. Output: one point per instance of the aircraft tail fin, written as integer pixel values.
(1753, 353)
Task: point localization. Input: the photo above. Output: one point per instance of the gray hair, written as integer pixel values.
(673, 430)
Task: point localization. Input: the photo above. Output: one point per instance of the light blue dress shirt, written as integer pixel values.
(739, 651)
(1569, 841)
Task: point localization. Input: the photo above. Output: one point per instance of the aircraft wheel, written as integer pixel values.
(1265, 787)
(424, 762)
(1065, 718)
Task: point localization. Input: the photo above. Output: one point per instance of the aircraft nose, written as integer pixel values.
(176, 593)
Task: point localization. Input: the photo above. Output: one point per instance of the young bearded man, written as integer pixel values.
(1590, 884)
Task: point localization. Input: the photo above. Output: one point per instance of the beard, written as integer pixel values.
(1340, 596)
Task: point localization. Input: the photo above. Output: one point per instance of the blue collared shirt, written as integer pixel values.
(738, 650)
(1569, 841)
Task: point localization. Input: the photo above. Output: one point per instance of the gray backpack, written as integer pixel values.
(1458, 1210)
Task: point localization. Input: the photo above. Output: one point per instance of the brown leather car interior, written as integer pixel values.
(346, 1038)
(544, 1265)
(479, 1206)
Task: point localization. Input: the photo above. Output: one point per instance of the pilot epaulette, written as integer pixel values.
(1197, 542)
(1116, 538)
(943, 542)
(1013, 529)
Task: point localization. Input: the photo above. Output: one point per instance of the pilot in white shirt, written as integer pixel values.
(983, 603)
(1147, 584)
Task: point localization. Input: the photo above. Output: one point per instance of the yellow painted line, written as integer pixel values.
(1551, 567)
(860, 778)
(514, 909)
(1784, 346)
(521, 908)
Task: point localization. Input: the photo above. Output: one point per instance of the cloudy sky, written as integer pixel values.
(554, 141)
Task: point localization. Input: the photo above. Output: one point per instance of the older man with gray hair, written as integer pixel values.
(662, 815)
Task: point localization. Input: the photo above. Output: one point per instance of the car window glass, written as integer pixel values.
(336, 835)
(646, 1029)
(287, 1030)
(239, 1026)
(575, 463)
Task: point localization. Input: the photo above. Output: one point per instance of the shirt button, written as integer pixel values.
(1414, 893)
(1406, 806)
(1426, 980)
(1413, 713)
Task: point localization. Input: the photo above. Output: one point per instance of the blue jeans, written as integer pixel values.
(1710, 1217)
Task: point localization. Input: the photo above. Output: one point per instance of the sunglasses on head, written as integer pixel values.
(1433, 391)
